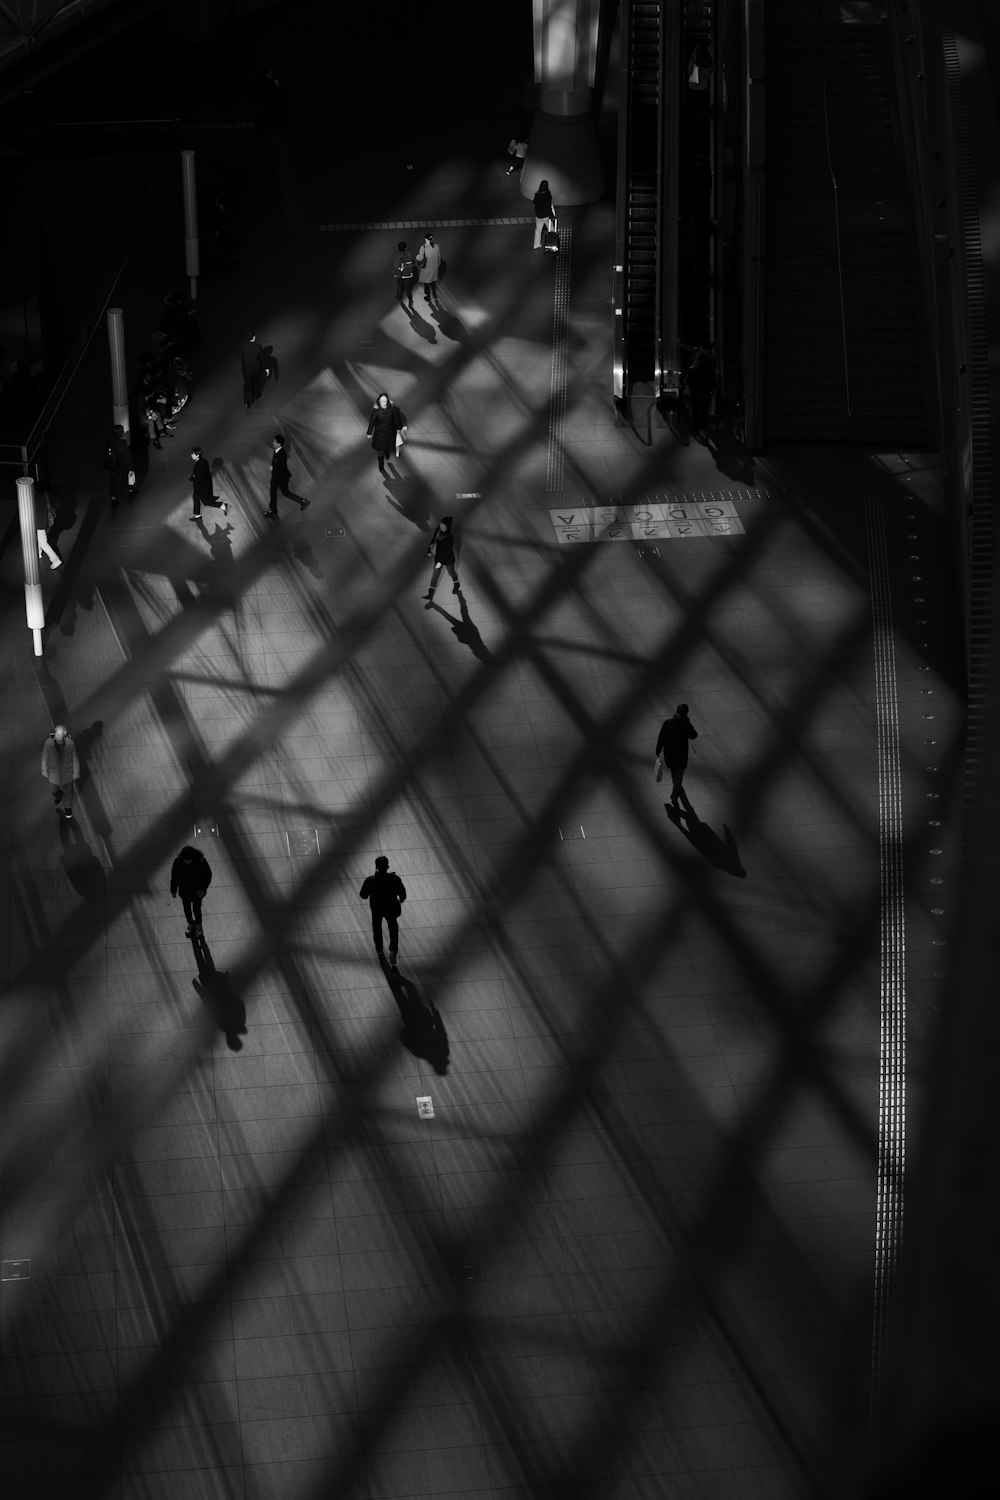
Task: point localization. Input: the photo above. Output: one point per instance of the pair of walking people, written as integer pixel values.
(424, 269)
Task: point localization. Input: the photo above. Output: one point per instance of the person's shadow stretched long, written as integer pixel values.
(722, 853)
(216, 994)
(83, 869)
(423, 1032)
(464, 630)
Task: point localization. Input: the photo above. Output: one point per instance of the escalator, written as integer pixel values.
(641, 193)
(842, 357)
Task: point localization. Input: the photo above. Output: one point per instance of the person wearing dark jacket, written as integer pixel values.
(384, 423)
(254, 368)
(201, 487)
(385, 894)
(190, 878)
(120, 465)
(61, 767)
(545, 212)
(405, 272)
(279, 478)
(442, 549)
(672, 744)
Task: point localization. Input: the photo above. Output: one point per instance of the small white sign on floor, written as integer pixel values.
(425, 1106)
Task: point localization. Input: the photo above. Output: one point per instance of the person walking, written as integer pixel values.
(201, 487)
(120, 465)
(545, 213)
(429, 262)
(279, 478)
(386, 429)
(254, 368)
(517, 151)
(405, 273)
(672, 744)
(385, 894)
(442, 549)
(699, 387)
(190, 878)
(43, 520)
(61, 767)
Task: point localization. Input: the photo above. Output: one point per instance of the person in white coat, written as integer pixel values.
(429, 263)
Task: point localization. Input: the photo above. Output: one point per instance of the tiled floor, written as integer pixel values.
(632, 1252)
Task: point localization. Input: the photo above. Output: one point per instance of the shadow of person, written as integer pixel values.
(84, 870)
(421, 327)
(423, 1032)
(451, 326)
(464, 630)
(304, 554)
(215, 992)
(409, 496)
(731, 458)
(722, 853)
(85, 742)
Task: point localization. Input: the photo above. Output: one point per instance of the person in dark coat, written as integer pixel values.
(254, 367)
(201, 487)
(385, 894)
(61, 767)
(120, 465)
(545, 212)
(280, 476)
(405, 273)
(699, 387)
(190, 878)
(384, 423)
(442, 549)
(672, 744)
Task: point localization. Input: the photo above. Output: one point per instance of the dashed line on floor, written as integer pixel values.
(421, 224)
(556, 460)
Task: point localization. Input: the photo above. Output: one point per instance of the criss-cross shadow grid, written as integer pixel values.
(635, 1241)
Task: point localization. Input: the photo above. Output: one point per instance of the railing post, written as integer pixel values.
(190, 221)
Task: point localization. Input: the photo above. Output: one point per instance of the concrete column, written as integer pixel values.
(190, 222)
(34, 607)
(562, 146)
(119, 377)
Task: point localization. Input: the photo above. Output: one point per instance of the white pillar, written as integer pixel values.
(190, 221)
(34, 607)
(562, 146)
(119, 377)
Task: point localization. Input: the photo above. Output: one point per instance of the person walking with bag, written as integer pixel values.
(545, 213)
(672, 744)
(190, 878)
(429, 263)
(201, 487)
(385, 894)
(61, 767)
(405, 273)
(442, 549)
(386, 429)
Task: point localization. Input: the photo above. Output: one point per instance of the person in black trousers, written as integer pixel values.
(119, 464)
(442, 549)
(385, 894)
(190, 878)
(201, 486)
(672, 744)
(254, 367)
(384, 425)
(280, 477)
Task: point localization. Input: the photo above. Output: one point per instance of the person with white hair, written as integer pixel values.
(61, 767)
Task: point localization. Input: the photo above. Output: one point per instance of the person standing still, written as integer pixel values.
(405, 273)
(190, 878)
(61, 767)
(254, 368)
(120, 466)
(201, 487)
(442, 549)
(385, 425)
(672, 744)
(429, 261)
(279, 478)
(385, 894)
(545, 212)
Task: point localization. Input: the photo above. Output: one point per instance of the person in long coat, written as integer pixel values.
(120, 465)
(61, 767)
(190, 878)
(254, 367)
(384, 423)
(429, 261)
(672, 744)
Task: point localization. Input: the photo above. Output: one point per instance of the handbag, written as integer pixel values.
(658, 768)
(551, 240)
(399, 442)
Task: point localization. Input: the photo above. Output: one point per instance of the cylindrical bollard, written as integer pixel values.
(190, 221)
(119, 378)
(34, 607)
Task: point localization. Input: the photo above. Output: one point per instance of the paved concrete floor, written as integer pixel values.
(637, 1249)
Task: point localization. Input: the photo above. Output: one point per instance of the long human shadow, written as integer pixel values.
(722, 853)
(215, 991)
(464, 629)
(410, 496)
(423, 1031)
(83, 869)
